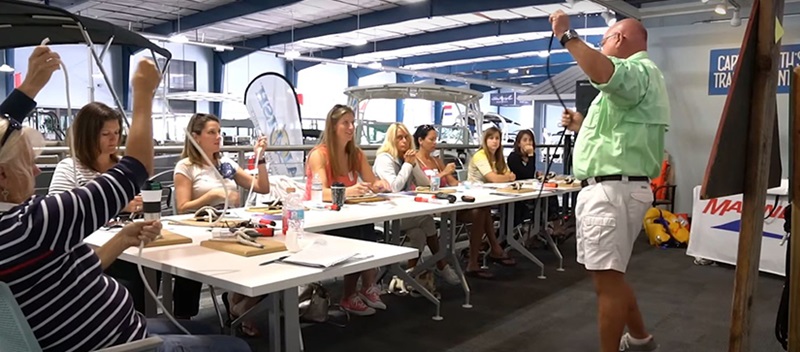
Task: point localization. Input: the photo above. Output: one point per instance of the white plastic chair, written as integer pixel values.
(16, 335)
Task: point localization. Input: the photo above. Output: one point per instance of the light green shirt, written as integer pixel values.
(623, 132)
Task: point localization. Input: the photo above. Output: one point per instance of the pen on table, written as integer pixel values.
(274, 260)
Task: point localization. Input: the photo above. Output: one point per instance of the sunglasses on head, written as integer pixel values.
(13, 125)
(427, 128)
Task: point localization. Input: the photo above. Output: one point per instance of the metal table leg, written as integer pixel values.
(291, 319)
(216, 307)
(150, 305)
(447, 239)
(402, 274)
(166, 291)
(514, 243)
(448, 244)
(552, 243)
(274, 321)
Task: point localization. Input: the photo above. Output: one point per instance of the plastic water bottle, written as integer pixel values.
(316, 189)
(293, 220)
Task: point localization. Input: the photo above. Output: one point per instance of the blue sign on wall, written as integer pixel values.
(723, 61)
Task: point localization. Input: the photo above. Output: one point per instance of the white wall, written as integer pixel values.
(76, 61)
(520, 114)
(173, 127)
(417, 112)
(683, 55)
(485, 102)
(322, 87)
(383, 110)
(239, 73)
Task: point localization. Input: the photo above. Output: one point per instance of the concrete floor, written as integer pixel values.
(686, 306)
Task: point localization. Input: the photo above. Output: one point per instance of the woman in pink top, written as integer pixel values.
(338, 159)
(481, 218)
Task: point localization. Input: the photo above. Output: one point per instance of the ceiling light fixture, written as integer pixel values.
(736, 19)
(609, 17)
(418, 73)
(721, 9)
(359, 41)
(291, 55)
(179, 39)
(513, 71)
(6, 68)
(157, 39)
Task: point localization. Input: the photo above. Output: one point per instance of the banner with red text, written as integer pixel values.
(715, 230)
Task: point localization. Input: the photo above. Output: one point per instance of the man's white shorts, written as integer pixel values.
(609, 218)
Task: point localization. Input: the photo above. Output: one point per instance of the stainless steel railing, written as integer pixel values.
(167, 156)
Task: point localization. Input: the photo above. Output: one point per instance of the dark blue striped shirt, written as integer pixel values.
(56, 278)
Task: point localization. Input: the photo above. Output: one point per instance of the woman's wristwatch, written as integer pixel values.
(263, 160)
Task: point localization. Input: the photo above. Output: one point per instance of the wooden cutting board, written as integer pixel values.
(270, 246)
(442, 190)
(227, 222)
(357, 200)
(515, 191)
(268, 210)
(169, 238)
(265, 210)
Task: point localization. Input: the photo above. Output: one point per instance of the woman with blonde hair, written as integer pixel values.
(337, 159)
(196, 185)
(396, 163)
(481, 218)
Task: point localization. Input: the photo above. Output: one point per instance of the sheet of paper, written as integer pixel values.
(321, 256)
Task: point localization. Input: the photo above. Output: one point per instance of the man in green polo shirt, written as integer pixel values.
(619, 148)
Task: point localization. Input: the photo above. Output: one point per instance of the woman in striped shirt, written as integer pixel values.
(91, 157)
(57, 279)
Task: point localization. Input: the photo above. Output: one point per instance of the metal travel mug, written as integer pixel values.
(337, 194)
(151, 200)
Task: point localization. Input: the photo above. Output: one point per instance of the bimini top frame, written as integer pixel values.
(25, 24)
(459, 96)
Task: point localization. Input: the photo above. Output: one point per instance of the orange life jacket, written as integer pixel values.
(660, 181)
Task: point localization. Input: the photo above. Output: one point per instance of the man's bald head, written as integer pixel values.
(625, 38)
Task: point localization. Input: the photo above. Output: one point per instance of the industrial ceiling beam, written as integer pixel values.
(539, 45)
(489, 29)
(526, 73)
(218, 14)
(409, 12)
(507, 64)
(620, 7)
